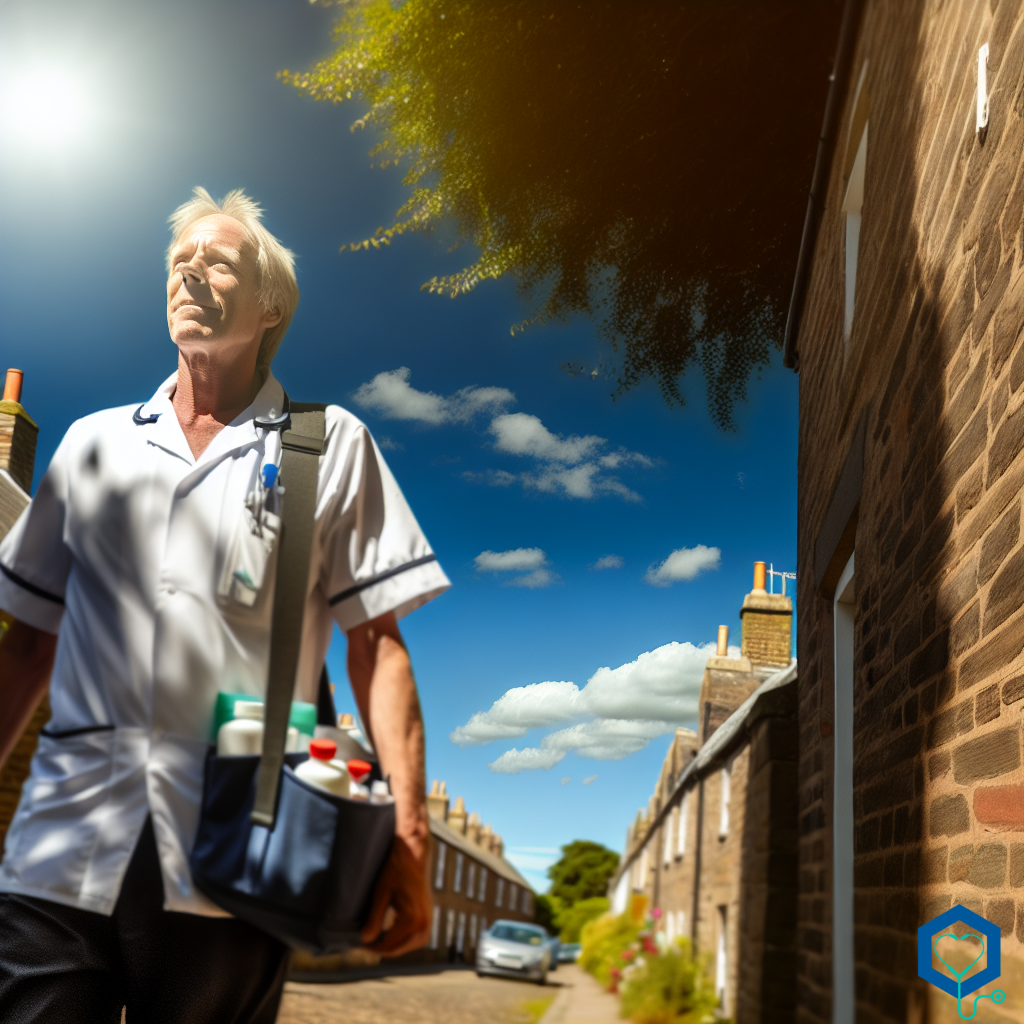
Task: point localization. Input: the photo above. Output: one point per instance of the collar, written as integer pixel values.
(241, 431)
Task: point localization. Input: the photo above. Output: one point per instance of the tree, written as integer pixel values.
(546, 911)
(643, 162)
(582, 872)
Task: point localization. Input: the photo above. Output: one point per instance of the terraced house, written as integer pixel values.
(906, 329)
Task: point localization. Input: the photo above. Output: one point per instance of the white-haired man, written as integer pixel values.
(113, 576)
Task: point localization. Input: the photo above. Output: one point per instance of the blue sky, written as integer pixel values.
(175, 95)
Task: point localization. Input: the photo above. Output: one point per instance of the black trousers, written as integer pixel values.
(62, 965)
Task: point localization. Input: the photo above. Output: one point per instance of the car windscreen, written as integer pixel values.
(512, 934)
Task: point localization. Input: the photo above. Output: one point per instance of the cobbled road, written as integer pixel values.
(453, 996)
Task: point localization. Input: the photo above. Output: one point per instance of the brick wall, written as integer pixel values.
(932, 374)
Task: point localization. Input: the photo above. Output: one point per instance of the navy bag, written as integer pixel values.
(292, 859)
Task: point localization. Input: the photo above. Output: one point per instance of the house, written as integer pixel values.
(906, 329)
(18, 433)
(715, 853)
(472, 883)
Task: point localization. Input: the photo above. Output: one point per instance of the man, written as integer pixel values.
(114, 575)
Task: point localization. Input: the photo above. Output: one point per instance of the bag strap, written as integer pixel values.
(302, 443)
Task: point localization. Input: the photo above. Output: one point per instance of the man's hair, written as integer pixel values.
(277, 287)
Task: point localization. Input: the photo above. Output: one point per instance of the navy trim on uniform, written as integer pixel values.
(379, 578)
(140, 421)
(30, 587)
(65, 733)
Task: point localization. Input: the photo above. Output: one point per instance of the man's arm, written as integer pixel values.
(26, 659)
(382, 682)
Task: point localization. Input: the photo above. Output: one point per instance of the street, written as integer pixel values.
(454, 995)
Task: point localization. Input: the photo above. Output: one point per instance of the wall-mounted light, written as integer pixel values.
(982, 118)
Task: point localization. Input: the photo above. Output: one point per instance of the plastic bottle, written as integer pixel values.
(380, 793)
(359, 771)
(322, 770)
(243, 734)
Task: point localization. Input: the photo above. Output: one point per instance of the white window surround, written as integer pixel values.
(843, 993)
(666, 843)
(684, 816)
(853, 203)
(500, 893)
(435, 928)
(457, 886)
(721, 966)
(442, 849)
(481, 894)
(471, 879)
(726, 786)
(513, 895)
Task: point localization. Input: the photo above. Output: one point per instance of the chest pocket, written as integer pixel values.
(248, 558)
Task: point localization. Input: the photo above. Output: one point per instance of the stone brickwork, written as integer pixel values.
(18, 433)
(767, 628)
(922, 407)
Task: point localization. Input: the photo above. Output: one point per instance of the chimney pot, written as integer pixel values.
(759, 576)
(12, 385)
(723, 642)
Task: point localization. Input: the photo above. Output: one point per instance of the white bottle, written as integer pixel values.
(380, 793)
(359, 771)
(242, 734)
(322, 770)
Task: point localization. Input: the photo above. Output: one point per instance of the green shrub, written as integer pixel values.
(571, 920)
(668, 988)
(604, 940)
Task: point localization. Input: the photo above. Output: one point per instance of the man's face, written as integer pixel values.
(212, 301)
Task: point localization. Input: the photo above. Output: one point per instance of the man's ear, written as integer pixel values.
(272, 317)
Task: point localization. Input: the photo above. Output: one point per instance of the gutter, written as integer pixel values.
(838, 81)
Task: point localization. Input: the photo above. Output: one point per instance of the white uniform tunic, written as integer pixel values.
(120, 553)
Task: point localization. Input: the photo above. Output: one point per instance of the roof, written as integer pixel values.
(444, 832)
(769, 700)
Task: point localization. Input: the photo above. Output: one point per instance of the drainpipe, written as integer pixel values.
(838, 81)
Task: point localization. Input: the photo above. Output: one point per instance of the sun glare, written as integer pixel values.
(48, 111)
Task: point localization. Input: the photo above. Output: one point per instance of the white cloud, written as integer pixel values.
(513, 761)
(660, 689)
(609, 562)
(387, 444)
(566, 779)
(684, 564)
(391, 396)
(589, 779)
(521, 434)
(534, 580)
(515, 560)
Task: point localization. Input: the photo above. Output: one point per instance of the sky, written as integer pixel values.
(594, 545)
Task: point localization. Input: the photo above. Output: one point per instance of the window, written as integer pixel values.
(460, 935)
(439, 866)
(643, 868)
(723, 821)
(666, 843)
(482, 891)
(449, 931)
(472, 929)
(457, 887)
(853, 198)
(471, 880)
(721, 966)
(499, 894)
(843, 998)
(684, 815)
(435, 927)
(513, 894)
(680, 922)
(527, 902)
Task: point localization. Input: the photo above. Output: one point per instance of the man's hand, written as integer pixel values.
(402, 886)
(384, 688)
(26, 658)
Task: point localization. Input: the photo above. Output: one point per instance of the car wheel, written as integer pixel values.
(543, 979)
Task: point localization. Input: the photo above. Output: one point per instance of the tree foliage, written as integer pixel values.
(582, 872)
(644, 162)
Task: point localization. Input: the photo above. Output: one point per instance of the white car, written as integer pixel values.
(513, 949)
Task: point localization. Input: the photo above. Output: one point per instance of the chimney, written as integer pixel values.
(497, 845)
(473, 828)
(457, 815)
(18, 433)
(767, 624)
(437, 801)
(723, 642)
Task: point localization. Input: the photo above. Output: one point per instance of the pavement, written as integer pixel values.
(436, 994)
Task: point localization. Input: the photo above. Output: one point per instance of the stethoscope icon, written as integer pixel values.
(998, 996)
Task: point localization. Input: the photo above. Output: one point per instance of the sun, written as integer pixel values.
(46, 110)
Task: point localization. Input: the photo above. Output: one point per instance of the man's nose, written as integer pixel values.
(194, 280)
(192, 275)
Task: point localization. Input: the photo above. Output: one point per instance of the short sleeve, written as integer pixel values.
(34, 558)
(374, 558)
